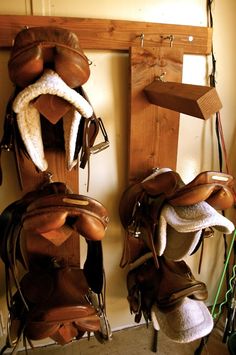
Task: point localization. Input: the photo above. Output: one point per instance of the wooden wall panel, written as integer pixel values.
(30, 178)
(113, 34)
(153, 130)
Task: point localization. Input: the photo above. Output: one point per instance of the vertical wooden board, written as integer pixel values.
(153, 135)
(31, 179)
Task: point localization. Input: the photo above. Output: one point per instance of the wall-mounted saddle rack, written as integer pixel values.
(113, 34)
(164, 44)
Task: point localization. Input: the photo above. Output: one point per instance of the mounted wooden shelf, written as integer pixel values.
(113, 34)
(194, 100)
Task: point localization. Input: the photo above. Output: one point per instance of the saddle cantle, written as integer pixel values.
(57, 217)
(216, 188)
(38, 48)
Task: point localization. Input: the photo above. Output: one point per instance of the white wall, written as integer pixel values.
(108, 91)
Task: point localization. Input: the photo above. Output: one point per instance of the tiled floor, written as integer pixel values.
(137, 341)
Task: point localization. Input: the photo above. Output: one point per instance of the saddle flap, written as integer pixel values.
(166, 286)
(51, 107)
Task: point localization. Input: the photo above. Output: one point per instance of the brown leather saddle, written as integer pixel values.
(139, 207)
(38, 48)
(165, 287)
(216, 188)
(154, 280)
(54, 296)
(141, 203)
(35, 50)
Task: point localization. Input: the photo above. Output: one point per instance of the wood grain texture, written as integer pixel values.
(113, 34)
(153, 136)
(154, 130)
(31, 179)
(194, 100)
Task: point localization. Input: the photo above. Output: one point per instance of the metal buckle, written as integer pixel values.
(105, 332)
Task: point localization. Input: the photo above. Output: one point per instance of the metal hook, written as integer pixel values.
(160, 77)
(141, 39)
(170, 38)
(48, 176)
(89, 61)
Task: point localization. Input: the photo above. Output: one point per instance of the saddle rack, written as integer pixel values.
(165, 45)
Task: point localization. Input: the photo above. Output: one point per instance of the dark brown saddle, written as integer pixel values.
(165, 287)
(54, 296)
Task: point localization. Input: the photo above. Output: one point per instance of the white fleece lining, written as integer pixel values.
(180, 228)
(28, 117)
(188, 322)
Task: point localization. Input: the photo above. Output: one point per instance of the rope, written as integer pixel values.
(215, 315)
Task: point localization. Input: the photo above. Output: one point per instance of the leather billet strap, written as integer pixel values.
(86, 139)
(140, 230)
(11, 140)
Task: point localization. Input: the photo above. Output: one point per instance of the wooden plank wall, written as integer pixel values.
(153, 129)
(113, 34)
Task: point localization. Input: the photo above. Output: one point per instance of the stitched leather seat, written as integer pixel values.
(56, 48)
(211, 186)
(58, 216)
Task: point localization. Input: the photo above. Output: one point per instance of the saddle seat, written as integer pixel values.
(37, 48)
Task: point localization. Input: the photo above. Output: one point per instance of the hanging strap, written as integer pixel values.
(222, 153)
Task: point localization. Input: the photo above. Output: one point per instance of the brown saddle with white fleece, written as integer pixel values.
(141, 203)
(49, 110)
(37, 49)
(54, 296)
